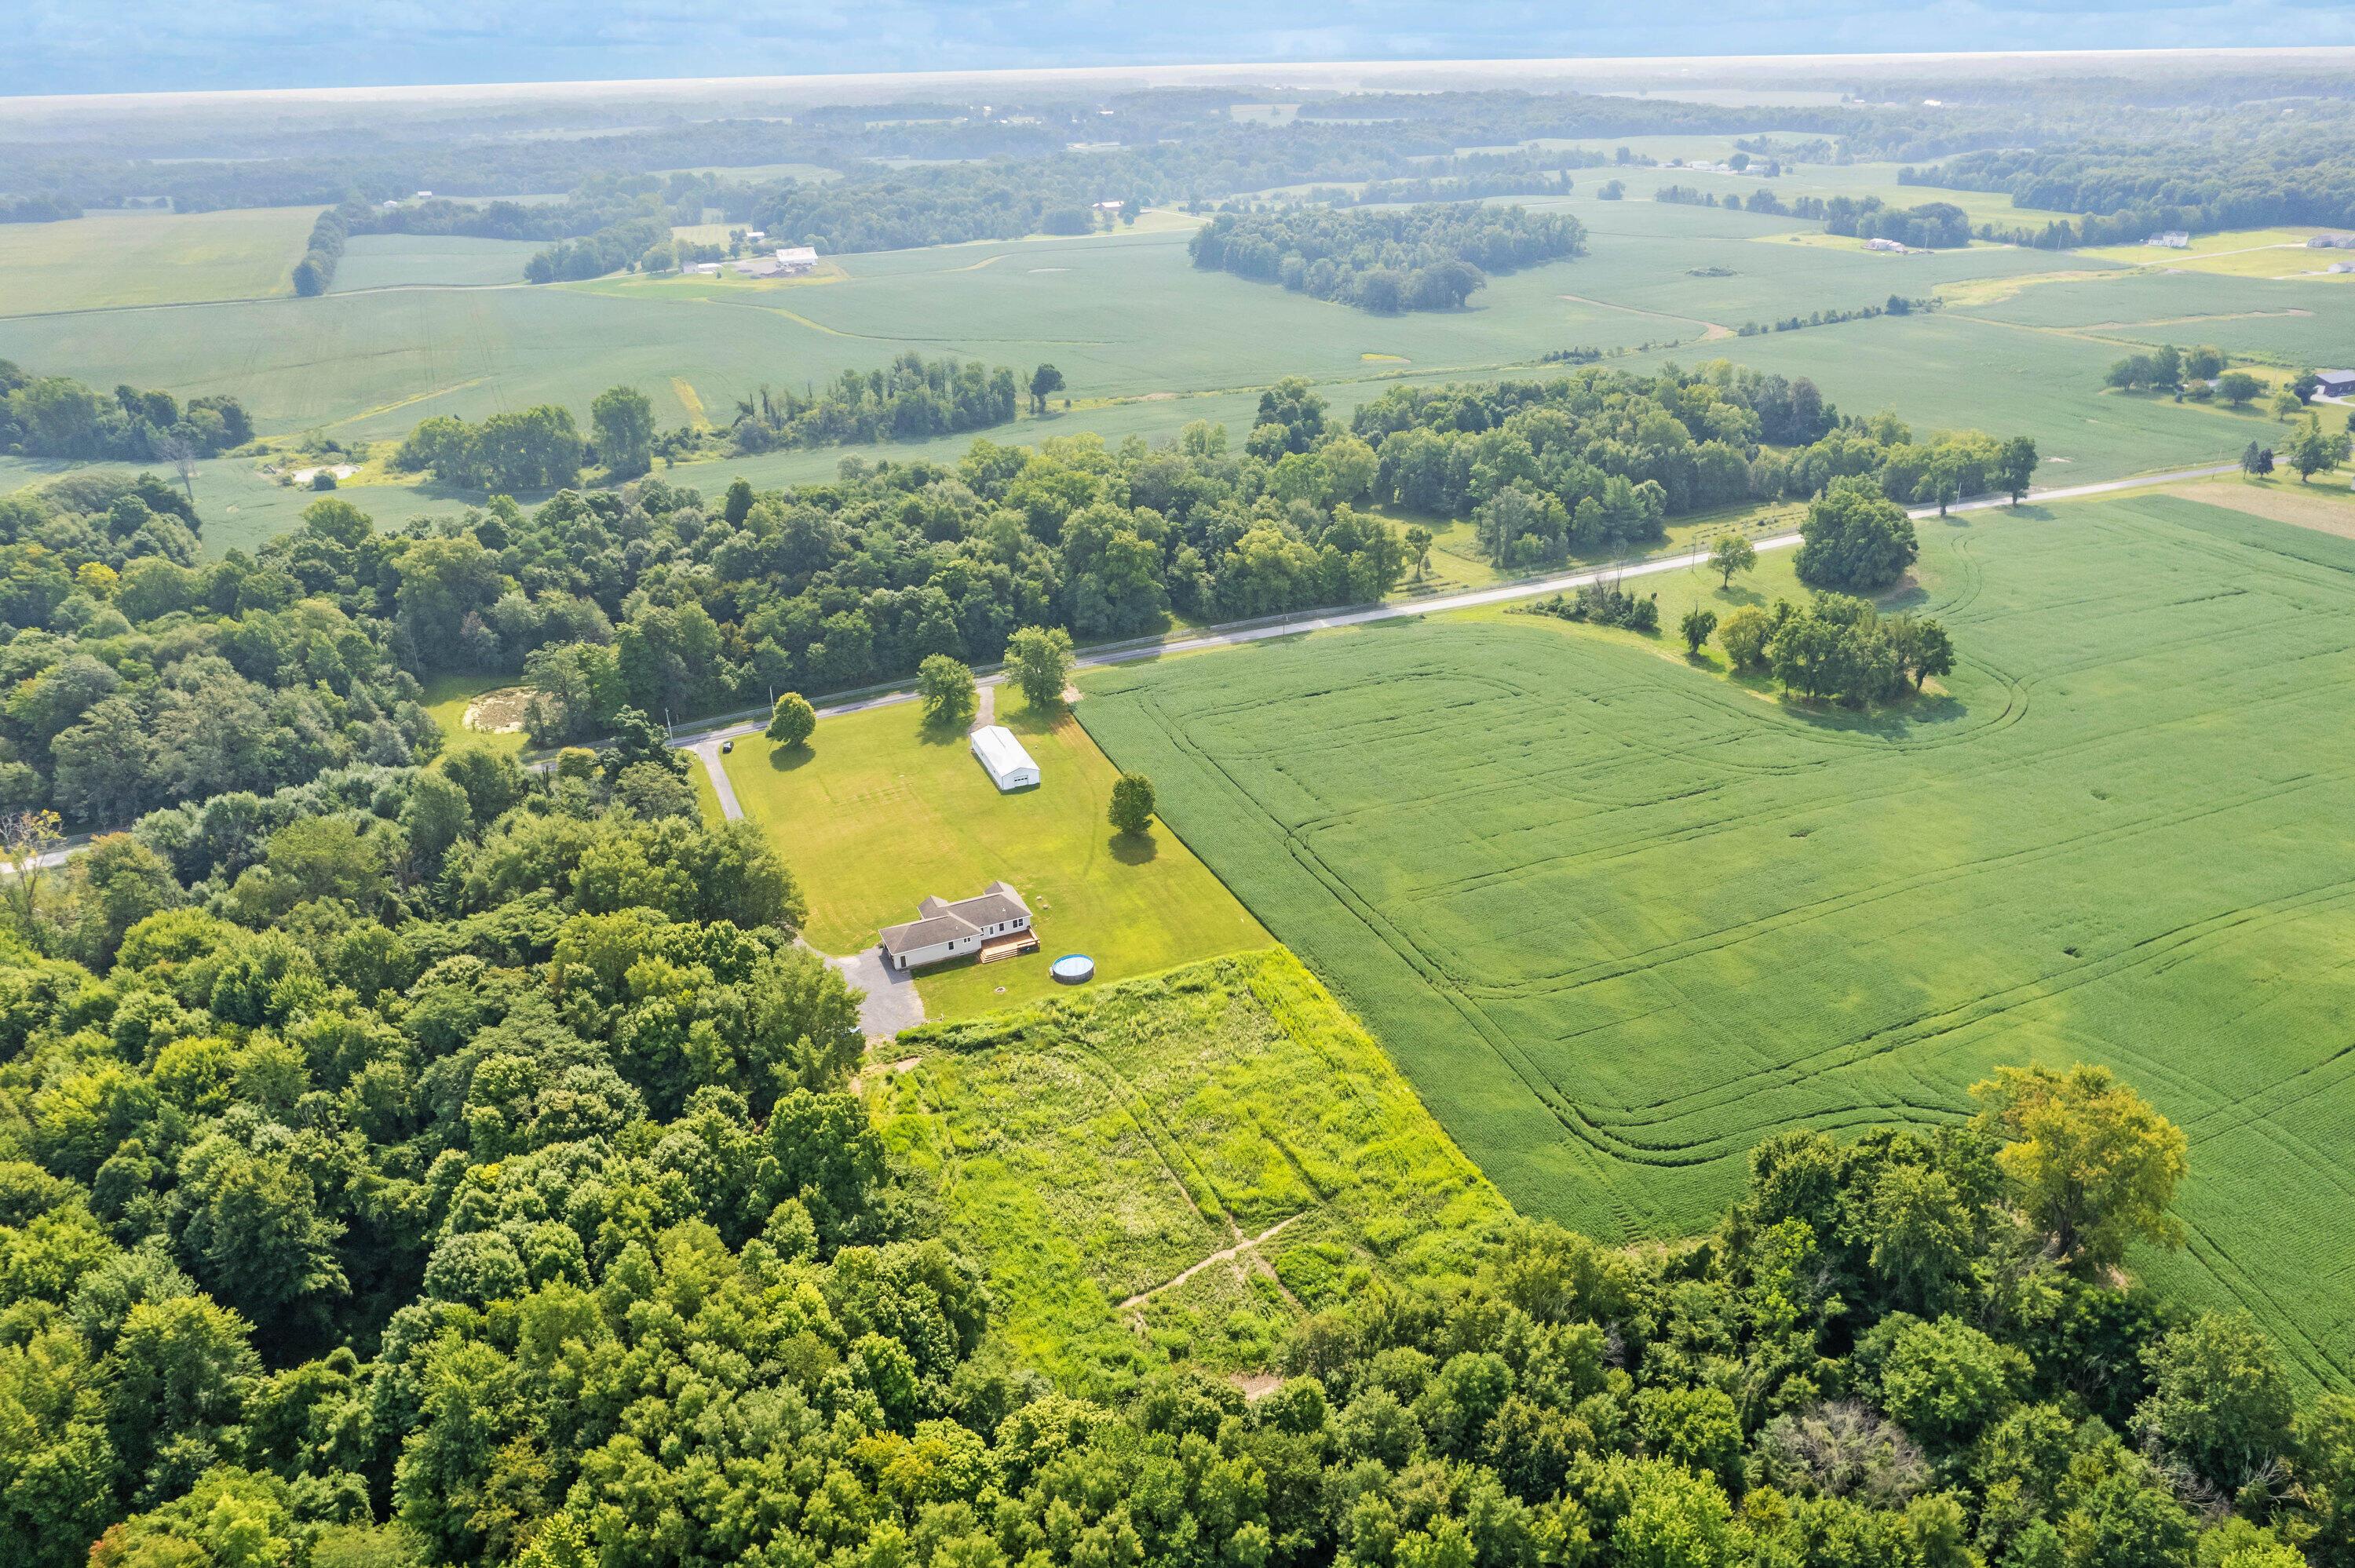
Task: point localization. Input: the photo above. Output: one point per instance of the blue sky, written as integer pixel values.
(131, 45)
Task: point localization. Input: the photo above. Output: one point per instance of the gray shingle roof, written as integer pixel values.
(942, 921)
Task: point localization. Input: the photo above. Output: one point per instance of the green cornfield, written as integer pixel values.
(1618, 916)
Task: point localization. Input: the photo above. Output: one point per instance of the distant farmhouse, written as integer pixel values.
(2335, 383)
(1002, 757)
(2172, 238)
(995, 924)
(788, 262)
(1881, 244)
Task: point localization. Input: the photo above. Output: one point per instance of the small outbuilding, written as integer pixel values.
(2335, 383)
(1002, 758)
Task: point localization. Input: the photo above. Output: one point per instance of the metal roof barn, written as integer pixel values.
(1002, 757)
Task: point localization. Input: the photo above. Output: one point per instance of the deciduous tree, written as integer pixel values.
(2093, 1166)
(1132, 803)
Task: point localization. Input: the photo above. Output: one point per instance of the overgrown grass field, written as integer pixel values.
(1108, 1145)
(1617, 917)
(877, 811)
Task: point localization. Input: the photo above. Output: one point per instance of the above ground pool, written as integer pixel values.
(1073, 969)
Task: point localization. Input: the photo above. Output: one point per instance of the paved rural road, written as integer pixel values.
(1503, 593)
(705, 742)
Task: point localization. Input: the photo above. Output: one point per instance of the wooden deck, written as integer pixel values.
(1012, 946)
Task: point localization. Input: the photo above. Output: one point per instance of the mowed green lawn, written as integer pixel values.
(876, 813)
(1096, 1146)
(118, 258)
(1619, 917)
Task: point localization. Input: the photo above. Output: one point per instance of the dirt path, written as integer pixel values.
(1221, 1255)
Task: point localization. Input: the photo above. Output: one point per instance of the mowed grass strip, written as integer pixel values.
(148, 259)
(878, 810)
(1093, 1148)
(1619, 917)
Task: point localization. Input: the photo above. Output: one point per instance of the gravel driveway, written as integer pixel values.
(891, 1003)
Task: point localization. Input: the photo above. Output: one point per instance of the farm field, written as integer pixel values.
(415, 328)
(2300, 320)
(1948, 371)
(1616, 917)
(1093, 1148)
(877, 811)
(435, 260)
(112, 259)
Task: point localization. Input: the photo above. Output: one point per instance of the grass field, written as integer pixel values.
(877, 813)
(1095, 1148)
(1616, 917)
(119, 259)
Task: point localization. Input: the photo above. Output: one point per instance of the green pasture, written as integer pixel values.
(1617, 917)
(876, 812)
(112, 259)
(1094, 1147)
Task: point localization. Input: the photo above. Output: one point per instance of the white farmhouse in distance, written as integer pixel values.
(1002, 758)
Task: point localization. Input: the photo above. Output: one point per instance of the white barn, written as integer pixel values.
(1002, 757)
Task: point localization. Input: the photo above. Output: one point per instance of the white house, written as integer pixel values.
(995, 924)
(797, 259)
(1877, 243)
(2172, 239)
(1002, 757)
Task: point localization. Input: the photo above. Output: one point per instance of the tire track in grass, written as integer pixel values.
(1496, 1040)
(1925, 1030)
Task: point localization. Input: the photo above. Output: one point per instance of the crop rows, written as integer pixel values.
(1617, 919)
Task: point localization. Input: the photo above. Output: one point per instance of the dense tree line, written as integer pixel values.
(316, 272)
(37, 209)
(1457, 187)
(136, 675)
(458, 1171)
(1937, 225)
(1428, 258)
(57, 417)
(652, 596)
(1600, 459)
(911, 399)
(2219, 173)
(531, 449)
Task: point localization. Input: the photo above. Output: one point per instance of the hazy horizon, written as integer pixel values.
(145, 46)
